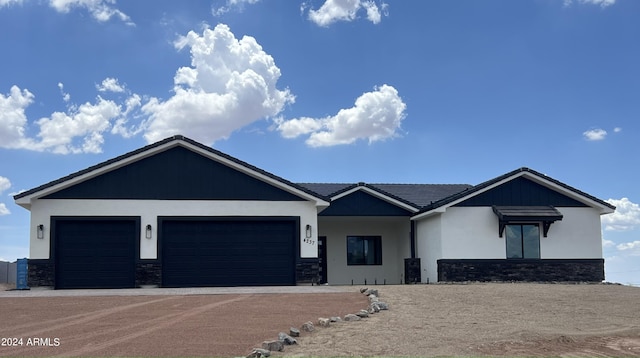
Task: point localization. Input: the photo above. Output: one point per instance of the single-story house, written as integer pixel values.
(178, 213)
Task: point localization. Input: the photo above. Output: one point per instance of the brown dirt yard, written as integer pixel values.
(423, 320)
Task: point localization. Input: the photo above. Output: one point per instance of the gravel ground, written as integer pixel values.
(490, 319)
(423, 320)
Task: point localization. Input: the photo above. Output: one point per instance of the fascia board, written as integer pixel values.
(430, 213)
(377, 195)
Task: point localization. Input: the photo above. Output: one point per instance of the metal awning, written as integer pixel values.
(512, 214)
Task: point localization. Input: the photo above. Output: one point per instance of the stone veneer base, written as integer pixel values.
(41, 272)
(527, 270)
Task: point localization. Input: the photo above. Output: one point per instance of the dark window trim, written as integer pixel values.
(538, 224)
(377, 250)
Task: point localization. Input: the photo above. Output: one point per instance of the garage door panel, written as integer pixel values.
(251, 279)
(95, 253)
(221, 252)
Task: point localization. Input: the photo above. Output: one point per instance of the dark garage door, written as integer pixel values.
(95, 253)
(228, 252)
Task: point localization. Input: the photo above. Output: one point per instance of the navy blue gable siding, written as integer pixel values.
(177, 173)
(521, 192)
(360, 203)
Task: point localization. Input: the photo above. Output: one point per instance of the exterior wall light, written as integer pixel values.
(40, 231)
(308, 231)
(147, 233)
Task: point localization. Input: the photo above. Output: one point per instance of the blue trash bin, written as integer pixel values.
(22, 272)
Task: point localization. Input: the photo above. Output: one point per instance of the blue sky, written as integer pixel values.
(331, 91)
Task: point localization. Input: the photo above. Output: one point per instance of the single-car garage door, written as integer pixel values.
(228, 251)
(95, 253)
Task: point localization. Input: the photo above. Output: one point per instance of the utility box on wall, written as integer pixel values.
(412, 271)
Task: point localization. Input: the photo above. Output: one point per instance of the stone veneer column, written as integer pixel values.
(41, 273)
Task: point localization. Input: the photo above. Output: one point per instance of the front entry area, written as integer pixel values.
(226, 251)
(322, 260)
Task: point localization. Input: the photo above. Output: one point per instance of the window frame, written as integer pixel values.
(522, 245)
(376, 247)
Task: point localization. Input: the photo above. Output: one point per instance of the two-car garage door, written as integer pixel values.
(102, 252)
(228, 251)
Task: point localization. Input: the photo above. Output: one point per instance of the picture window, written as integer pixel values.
(364, 250)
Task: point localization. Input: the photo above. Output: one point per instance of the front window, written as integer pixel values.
(364, 250)
(523, 241)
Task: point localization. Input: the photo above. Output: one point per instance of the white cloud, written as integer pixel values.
(633, 248)
(617, 130)
(602, 3)
(4, 185)
(132, 104)
(87, 122)
(65, 96)
(230, 84)
(101, 10)
(375, 116)
(9, 2)
(595, 134)
(17, 192)
(373, 12)
(299, 126)
(78, 130)
(345, 10)
(230, 5)
(13, 119)
(625, 218)
(110, 85)
(608, 243)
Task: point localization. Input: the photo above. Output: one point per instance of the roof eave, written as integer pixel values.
(24, 203)
(429, 213)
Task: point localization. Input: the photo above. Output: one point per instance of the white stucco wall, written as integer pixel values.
(577, 236)
(428, 247)
(395, 248)
(149, 210)
(472, 233)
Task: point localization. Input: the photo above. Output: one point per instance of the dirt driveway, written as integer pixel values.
(176, 325)
(423, 320)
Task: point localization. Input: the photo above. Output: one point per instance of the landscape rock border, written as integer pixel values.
(375, 306)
